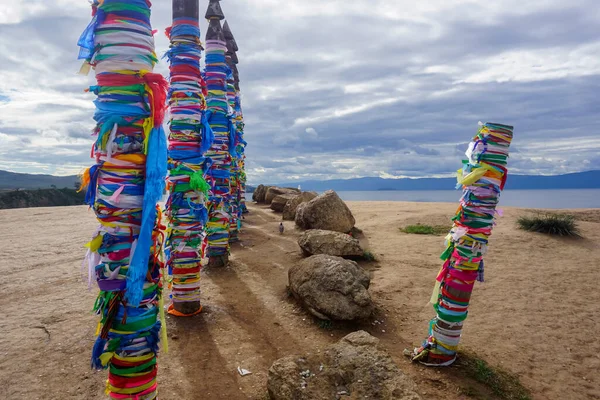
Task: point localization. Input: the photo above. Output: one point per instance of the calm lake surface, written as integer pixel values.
(556, 199)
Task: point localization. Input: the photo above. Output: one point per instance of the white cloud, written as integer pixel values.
(537, 65)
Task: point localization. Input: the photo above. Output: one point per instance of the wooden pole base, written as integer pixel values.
(187, 308)
(218, 262)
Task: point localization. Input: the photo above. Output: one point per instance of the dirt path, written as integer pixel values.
(48, 329)
(249, 320)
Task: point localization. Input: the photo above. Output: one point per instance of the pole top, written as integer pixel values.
(231, 46)
(186, 9)
(214, 31)
(227, 31)
(214, 10)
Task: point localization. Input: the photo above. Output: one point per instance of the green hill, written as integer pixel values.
(13, 180)
(40, 198)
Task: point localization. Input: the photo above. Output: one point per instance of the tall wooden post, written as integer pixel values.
(482, 178)
(232, 98)
(189, 139)
(240, 143)
(219, 173)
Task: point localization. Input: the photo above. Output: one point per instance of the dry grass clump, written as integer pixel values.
(551, 224)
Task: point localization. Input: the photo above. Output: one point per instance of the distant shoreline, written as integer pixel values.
(445, 190)
(535, 198)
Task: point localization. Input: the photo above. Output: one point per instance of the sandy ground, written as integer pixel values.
(537, 315)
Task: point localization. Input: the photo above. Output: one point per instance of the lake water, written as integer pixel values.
(556, 199)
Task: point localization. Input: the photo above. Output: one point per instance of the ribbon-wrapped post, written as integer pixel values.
(219, 173)
(482, 178)
(123, 188)
(189, 139)
(240, 143)
(236, 149)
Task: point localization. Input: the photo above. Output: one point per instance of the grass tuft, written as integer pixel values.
(503, 384)
(325, 324)
(551, 224)
(420, 229)
(369, 256)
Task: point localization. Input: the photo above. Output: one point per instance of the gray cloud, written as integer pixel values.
(339, 90)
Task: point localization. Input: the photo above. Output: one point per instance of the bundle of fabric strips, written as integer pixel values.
(190, 137)
(123, 188)
(482, 178)
(218, 115)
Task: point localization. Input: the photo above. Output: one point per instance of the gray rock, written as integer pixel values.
(274, 191)
(260, 193)
(316, 241)
(257, 193)
(331, 288)
(280, 201)
(327, 212)
(355, 367)
(289, 211)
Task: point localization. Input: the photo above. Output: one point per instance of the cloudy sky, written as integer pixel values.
(340, 89)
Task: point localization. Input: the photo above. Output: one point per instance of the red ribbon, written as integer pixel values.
(159, 86)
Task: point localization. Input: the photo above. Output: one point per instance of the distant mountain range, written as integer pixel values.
(12, 180)
(580, 180)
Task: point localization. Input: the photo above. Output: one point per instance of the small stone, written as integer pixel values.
(316, 241)
(326, 211)
(332, 288)
(289, 211)
(354, 362)
(273, 192)
(279, 202)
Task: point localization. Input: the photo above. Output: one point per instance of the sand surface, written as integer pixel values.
(537, 315)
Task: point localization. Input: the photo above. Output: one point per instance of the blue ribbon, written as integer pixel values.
(156, 172)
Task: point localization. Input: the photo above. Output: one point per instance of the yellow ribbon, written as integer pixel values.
(163, 326)
(111, 388)
(476, 174)
(94, 244)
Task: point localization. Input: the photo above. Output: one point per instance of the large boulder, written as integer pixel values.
(280, 201)
(331, 288)
(289, 211)
(354, 368)
(275, 191)
(256, 192)
(327, 212)
(260, 193)
(316, 241)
